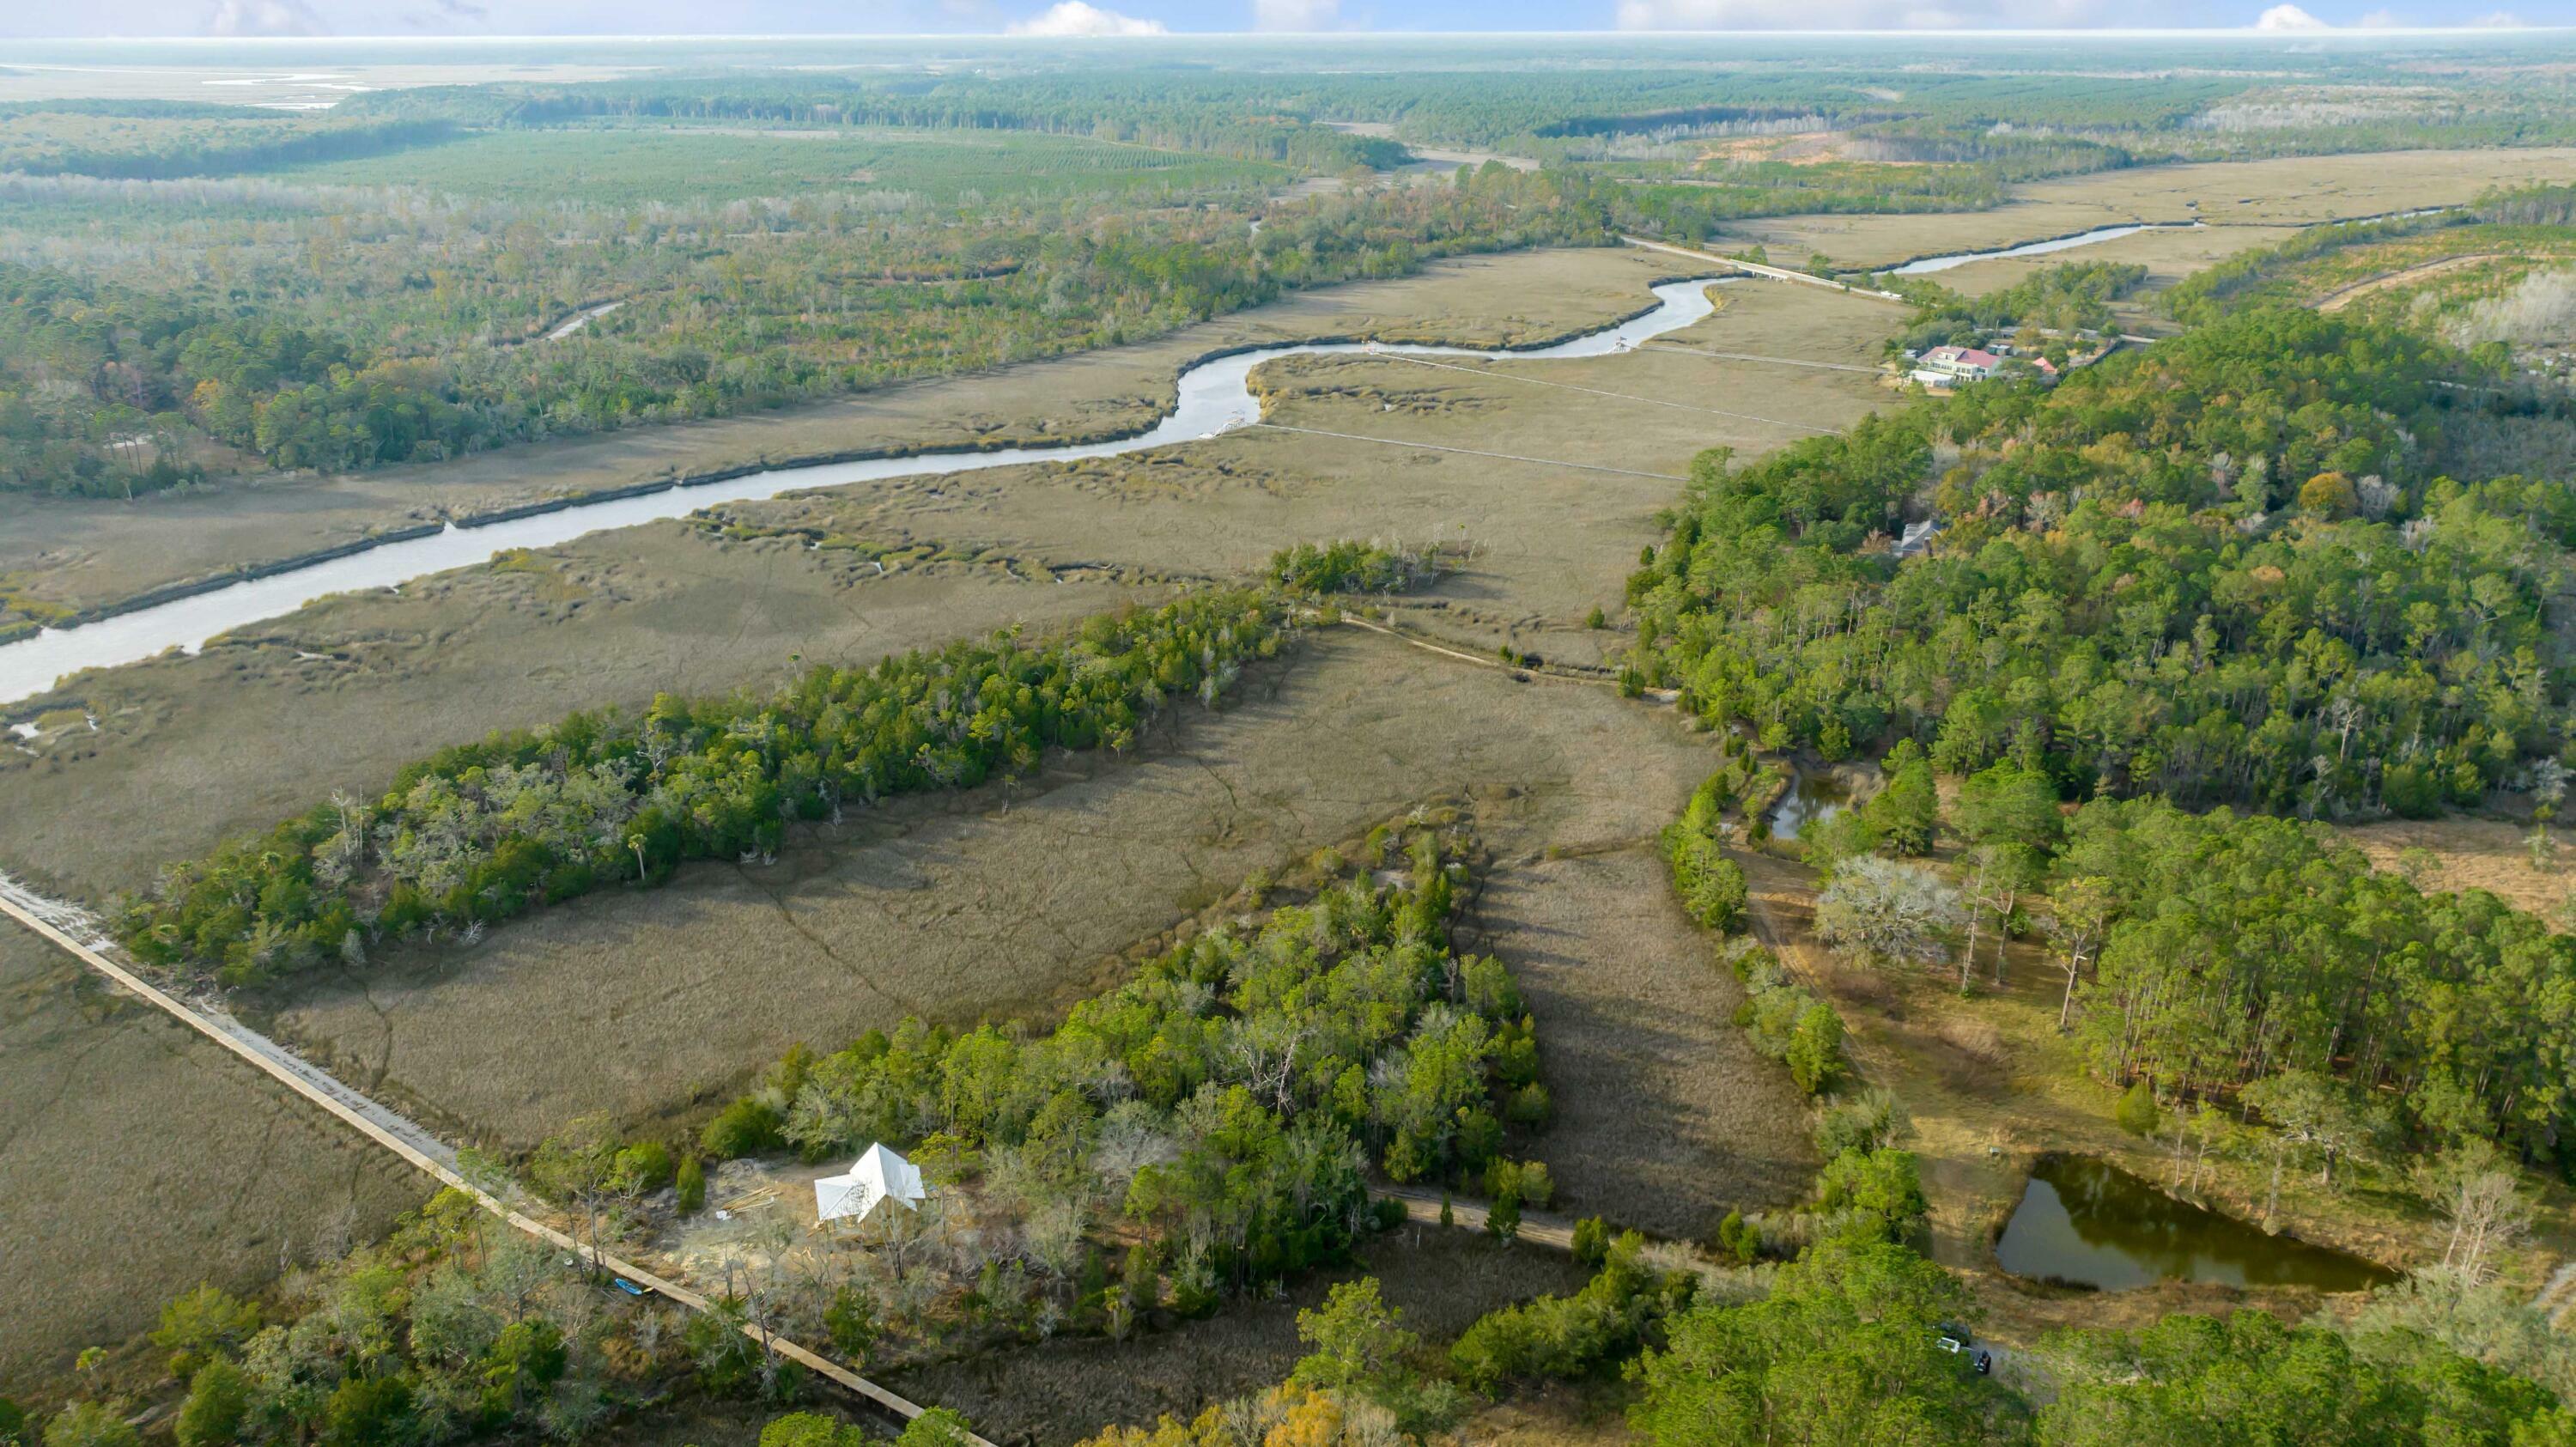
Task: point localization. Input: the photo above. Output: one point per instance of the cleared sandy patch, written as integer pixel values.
(2489, 854)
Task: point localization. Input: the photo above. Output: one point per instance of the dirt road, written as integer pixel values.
(2344, 296)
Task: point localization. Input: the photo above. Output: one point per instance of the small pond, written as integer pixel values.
(1812, 799)
(2090, 1223)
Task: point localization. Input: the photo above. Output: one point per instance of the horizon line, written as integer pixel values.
(2241, 32)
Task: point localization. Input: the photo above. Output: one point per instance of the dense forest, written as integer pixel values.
(451, 1328)
(1160, 109)
(2256, 956)
(2214, 571)
(2013, 106)
(2048, 308)
(1843, 1346)
(212, 290)
(2248, 964)
(313, 343)
(1842, 1340)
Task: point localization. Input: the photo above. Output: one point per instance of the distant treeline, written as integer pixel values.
(349, 387)
(1466, 106)
(2007, 156)
(2023, 125)
(1171, 121)
(147, 110)
(227, 152)
(2530, 206)
(1695, 117)
(1697, 208)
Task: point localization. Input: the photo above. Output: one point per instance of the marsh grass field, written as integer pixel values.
(138, 1160)
(1009, 902)
(84, 553)
(2474, 853)
(1060, 1391)
(2299, 191)
(651, 1007)
(366, 682)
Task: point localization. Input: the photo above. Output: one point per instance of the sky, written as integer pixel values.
(139, 18)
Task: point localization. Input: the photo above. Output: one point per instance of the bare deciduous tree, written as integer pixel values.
(2476, 1190)
(1885, 911)
(2081, 920)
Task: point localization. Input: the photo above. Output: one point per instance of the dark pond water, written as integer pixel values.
(1812, 799)
(2086, 1221)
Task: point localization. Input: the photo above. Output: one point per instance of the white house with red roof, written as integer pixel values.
(1949, 366)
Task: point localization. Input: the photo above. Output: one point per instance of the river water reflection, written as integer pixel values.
(1212, 396)
(2089, 1222)
(1812, 799)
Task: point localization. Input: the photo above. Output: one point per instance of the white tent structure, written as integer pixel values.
(876, 1177)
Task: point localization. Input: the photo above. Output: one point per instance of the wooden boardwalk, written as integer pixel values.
(404, 1138)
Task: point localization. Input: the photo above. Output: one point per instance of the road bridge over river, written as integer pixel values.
(1764, 269)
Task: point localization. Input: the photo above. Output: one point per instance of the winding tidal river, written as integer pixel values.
(1214, 396)
(1924, 266)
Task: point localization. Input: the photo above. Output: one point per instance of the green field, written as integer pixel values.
(634, 166)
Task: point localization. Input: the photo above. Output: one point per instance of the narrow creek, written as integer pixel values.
(1924, 265)
(1214, 395)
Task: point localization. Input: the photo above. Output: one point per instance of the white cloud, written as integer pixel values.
(2499, 20)
(1296, 15)
(1077, 18)
(264, 17)
(2380, 20)
(1856, 14)
(2289, 17)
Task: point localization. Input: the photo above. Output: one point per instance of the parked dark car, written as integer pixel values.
(1956, 1339)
